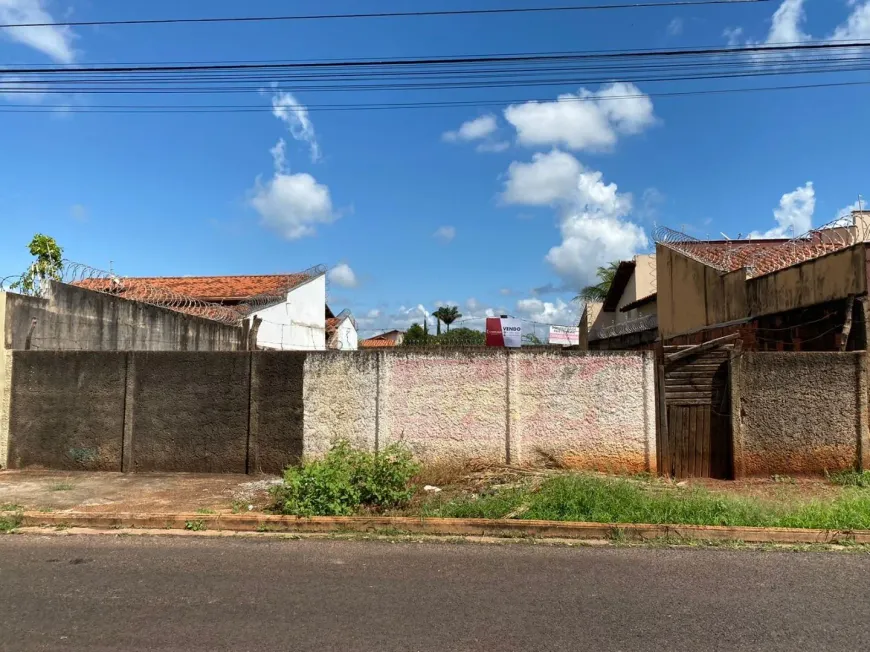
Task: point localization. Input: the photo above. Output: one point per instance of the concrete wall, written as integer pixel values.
(588, 410)
(692, 295)
(299, 324)
(346, 336)
(72, 318)
(800, 413)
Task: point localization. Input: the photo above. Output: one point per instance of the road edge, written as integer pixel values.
(435, 526)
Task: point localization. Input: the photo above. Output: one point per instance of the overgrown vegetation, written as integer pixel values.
(10, 522)
(194, 526)
(347, 480)
(592, 498)
(850, 478)
(47, 266)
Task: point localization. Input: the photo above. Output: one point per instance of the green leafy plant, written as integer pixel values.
(850, 478)
(447, 314)
(598, 291)
(47, 266)
(10, 522)
(416, 335)
(347, 479)
(195, 526)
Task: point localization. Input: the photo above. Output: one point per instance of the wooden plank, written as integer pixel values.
(701, 348)
(662, 452)
(700, 436)
(705, 444)
(680, 396)
(672, 433)
(688, 401)
(684, 448)
(678, 441)
(690, 441)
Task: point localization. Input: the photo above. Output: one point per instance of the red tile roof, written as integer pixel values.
(376, 343)
(761, 256)
(332, 325)
(214, 288)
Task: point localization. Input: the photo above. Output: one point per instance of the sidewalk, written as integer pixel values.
(152, 493)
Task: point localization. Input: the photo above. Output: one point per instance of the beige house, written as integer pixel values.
(628, 310)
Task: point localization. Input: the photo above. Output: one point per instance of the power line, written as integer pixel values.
(122, 108)
(384, 14)
(441, 61)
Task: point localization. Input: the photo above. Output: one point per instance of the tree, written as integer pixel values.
(415, 336)
(599, 291)
(447, 314)
(530, 339)
(48, 266)
(463, 337)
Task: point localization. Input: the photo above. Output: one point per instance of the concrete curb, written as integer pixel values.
(441, 527)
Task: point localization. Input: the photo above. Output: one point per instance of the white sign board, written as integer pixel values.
(565, 335)
(512, 331)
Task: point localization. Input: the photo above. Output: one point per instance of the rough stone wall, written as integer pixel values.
(799, 413)
(67, 410)
(587, 411)
(340, 394)
(447, 405)
(189, 411)
(72, 318)
(277, 410)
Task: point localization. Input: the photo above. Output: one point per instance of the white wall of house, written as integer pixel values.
(298, 324)
(346, 336)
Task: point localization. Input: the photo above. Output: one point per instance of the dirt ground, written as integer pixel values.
(60, 491)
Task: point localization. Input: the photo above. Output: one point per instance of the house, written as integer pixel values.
(384, 340)
(287, 311)
(341, 333)
(626, 319)
(805, 294)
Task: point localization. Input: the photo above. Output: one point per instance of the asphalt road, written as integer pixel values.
(162, 593)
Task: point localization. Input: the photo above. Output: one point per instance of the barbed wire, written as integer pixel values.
(764, 256)
(648, 322)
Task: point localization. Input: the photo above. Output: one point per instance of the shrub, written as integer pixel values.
(347, 479)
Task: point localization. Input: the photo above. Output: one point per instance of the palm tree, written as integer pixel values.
(447, 314)
(599, 291)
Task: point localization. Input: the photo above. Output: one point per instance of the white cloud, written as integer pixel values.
(786, 25)
(292, 204)
(493, 146)
(857, 26)
(343, 276)
(549, 179)
(675, 27)
(733, 35)
(794, 216)
(584, 121)
(54, 41)
(476, 129)
(445, 234)
(287, 108)
(592, 214)
(548, 312)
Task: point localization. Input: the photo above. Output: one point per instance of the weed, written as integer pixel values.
(61, 486)
(9, 522)
(205, 511)
(195, 526)
(239, 507)
(850, 478)
(45, 510)
(10, 507)
(347, 479)
(583, 497)
(782, 479)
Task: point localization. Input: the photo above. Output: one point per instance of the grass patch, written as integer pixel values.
(10, 522)
(10, 507)
(584, 497)
(203, 510)
(61, 486)
(347, 480)
(850, 478)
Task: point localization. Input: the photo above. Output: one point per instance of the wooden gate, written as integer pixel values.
(694, 408)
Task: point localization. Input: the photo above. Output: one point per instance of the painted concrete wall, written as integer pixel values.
(800, 413)
(299, 324)
(346, 336)
(692, 295)
(73, 318)
(590, 411)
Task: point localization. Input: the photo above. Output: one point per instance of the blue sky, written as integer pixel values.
(507, 207)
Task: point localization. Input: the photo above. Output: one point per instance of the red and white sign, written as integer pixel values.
(504, 332)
